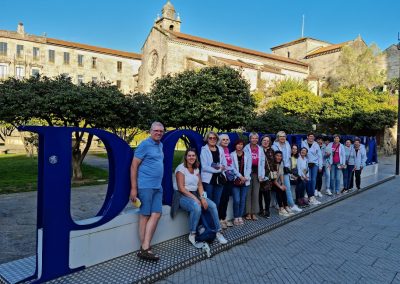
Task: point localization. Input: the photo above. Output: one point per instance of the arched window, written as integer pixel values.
(171, 27)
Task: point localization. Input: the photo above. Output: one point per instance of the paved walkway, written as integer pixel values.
(354, 241)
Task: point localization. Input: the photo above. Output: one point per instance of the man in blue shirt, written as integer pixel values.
(147, 171)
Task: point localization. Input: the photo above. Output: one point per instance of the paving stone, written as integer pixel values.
(387, 264)
(368, 272)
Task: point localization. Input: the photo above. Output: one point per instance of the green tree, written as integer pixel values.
(59, 102)
(359, 66)
(274, 119)
(210, 98)
(280, 87)
(358, 111)
(299, 103)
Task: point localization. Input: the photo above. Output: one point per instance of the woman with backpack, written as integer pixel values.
(193, 197)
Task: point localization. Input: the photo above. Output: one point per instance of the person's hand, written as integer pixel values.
(133, 194)
(204, 203)
(197, 201)
(242, 179)
(283, 187)
(222, 168)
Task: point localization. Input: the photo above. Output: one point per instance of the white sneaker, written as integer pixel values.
(229, 223)
(319, 193)
(328, 192)
(306, 195)
(314, 201)
(192, 239)
(283, 212)
(295, 208)
(221, 239)
(223, 225)
(289, 211)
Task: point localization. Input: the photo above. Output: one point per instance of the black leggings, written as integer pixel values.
(319, 179)
(223, 203)
(358, 178)
(266, 195)
(281, 197)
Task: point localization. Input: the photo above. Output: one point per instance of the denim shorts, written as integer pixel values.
(151, 200)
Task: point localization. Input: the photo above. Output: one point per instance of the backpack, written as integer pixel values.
(206, 230)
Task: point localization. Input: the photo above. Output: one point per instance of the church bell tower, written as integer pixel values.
(169, 20)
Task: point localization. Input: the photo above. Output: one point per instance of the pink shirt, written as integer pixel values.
(227, 156)
(335, 151)
(254, 156)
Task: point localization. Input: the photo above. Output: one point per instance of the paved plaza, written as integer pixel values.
(354, 241)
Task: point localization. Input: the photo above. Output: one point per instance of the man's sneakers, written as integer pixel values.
(317, 193)
(192, 239)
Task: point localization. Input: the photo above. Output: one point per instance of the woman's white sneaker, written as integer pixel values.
(295, 208)
(328, 192)
(221, 239)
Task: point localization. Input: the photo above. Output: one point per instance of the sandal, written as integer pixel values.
(254, 217)
(248, 217)
(147, 254)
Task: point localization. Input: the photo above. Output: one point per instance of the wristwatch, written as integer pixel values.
(204, 195)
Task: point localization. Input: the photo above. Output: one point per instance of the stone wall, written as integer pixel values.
(392, 62)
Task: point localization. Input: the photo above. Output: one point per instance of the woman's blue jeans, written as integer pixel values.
(214, 192)
(194, 209)
(336, 175)
(239, 200)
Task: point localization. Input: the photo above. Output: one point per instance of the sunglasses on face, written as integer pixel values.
(212, 138)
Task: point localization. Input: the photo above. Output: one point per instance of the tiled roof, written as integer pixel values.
(103, 50)
(296, 41)
(235, 48)
(330, 48)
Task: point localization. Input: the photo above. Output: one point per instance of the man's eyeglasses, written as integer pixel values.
(212, 138)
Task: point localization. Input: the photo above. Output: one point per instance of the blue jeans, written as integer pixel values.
(239, 200)
(312, 180)
(289, 197)
(336, 175)
(194, 209)
(327, 178)
(214, 192)
(348, 177)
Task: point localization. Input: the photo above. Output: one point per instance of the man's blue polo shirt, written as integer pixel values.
(151, 169)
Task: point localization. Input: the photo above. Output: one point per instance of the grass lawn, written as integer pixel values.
(178, 157)
(18, 173)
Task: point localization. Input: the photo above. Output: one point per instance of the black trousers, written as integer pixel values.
(223, 203)
(264, 195)
(318, 185)
(281, 197)
(357, 173)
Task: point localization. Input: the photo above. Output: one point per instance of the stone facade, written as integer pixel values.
(392, 62)
(168, 51)
(23, 55)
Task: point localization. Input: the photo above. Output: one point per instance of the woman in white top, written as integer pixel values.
(193, 198)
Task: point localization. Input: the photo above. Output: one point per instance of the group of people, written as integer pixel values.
(256, 176)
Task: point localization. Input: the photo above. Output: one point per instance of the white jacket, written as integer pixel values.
(360, 158)
(246, 166)
(261, 160)
(286, 152)
(206, 160)
(302, 167)
(342, 154)
(314, 153)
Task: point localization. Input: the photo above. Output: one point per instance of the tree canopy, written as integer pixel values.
(209, 98)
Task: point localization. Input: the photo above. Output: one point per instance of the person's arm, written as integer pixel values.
(261, 164)
(206, 167)
(222, 158)
(180, 181)
(299, 168)
(200, 189)
(320, 163)
(134, 170)
(233, 167)
(363, 157)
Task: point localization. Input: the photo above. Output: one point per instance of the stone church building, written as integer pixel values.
(167, 50)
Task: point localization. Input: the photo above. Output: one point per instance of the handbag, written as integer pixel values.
(286, 170)
(221, 179)
(272, 174)
(311, 165)
(238, 181)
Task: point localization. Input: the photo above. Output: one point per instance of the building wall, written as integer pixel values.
(323, 66)
(392, 62)
(300, 50)
(105, 70)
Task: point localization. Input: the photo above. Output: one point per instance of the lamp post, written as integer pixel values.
(398, 113)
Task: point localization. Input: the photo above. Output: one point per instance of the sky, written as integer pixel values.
(255, 24)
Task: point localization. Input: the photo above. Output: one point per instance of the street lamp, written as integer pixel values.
(398, 113)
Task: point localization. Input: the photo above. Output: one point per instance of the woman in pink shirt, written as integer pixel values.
(337, 161)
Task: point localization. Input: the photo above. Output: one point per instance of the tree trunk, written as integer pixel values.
(76, 164)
